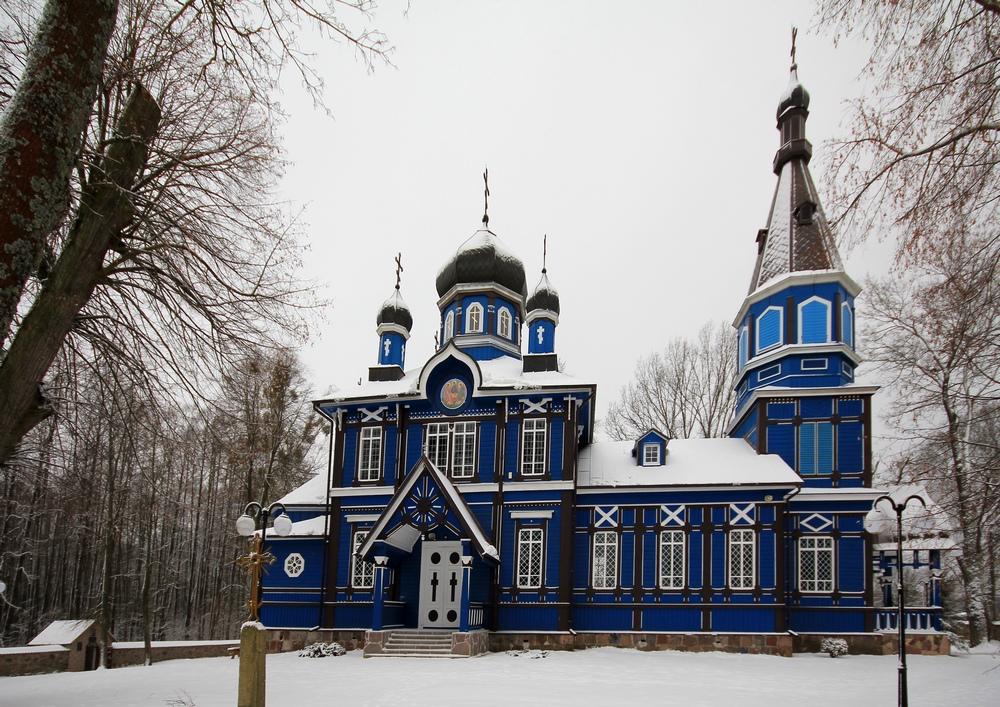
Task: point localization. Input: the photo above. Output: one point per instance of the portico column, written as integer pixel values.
(466, 579)
(378, 598)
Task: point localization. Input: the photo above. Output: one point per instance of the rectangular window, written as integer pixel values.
(529, 558)
(464, 455)
(816, 564)
(362, 573)
(605, 559)
(650, 455)
(815, 448)
(672, 559)
(437, 444)
(533, 448)
(741, 559)
(370, 457)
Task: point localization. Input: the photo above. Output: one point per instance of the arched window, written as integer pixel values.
(847, 324)
(769, 332)
(743, 347)
(474, 319)
(814, 321)
(449, 326)
(503, 328)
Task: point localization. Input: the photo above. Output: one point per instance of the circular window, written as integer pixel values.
(295, 565)
(454, 558)
(452, 615)
(435, 557)
(432, 615)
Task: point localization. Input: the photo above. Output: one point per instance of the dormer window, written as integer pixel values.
(474, 319)
(650, 449)
(805, 213)
(651, 454)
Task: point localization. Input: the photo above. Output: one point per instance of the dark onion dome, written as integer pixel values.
(395, 311)
(795, 96)
(544, 296)
(483, 258)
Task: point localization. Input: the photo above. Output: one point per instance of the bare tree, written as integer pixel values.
(923, 143)
(176, 254)
(935, 337)
(685, 391)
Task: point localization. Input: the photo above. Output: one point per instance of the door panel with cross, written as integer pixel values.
(440, 584)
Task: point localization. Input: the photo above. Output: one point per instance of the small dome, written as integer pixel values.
(482, 258)
(544, 296)
(395, 311)
(795, 96)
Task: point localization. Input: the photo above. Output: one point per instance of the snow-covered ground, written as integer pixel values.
(602, 676)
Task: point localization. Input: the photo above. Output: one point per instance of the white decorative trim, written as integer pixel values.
(362, 518)
(781, 329)
(829, 313)
(295, 564)
(806, 277)
(531, 514)
(372, 415)
(542, 314)
(387, 327)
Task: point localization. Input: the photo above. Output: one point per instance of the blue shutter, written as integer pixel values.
(814, 322)
(807, 448)
(825, 456)
(847, 324)
(769, 329)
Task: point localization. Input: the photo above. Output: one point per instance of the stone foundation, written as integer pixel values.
(33, 660)
(374, 641)
(286, 640)
(878, 643)
(778, 644)
(471, 643)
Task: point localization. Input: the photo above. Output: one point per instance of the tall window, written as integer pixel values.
(437, 444)
(816, 564)
(815, 448)
(529, 558)
(463, 464)
(744, 350)
(814, 321)
(769, 332)
(370, 456)
(741, 559)
(533, 447)
(362, 573)
(449, 326)
(451, 447)
(847, 324)
(651, 454)
(504, 326)
(474, 318)
(605, 559)
(672, 559)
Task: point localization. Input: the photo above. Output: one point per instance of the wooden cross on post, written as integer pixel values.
(399, 267)
(486, 197)
(795, 32)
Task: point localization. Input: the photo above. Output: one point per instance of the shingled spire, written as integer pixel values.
(797, 237)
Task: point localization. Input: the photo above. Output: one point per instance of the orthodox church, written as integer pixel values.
(467, 505)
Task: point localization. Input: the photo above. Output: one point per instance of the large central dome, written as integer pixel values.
(482, 259)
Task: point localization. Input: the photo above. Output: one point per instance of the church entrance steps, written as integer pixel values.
(425, 643)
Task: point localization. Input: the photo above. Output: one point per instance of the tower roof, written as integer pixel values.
(544, 296)
(798, 237)
(482, 259)
(395, 311)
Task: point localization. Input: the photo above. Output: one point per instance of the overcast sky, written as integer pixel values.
(638, 135)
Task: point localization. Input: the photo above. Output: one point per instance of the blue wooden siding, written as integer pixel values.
(852, 564)
(556, 448)
(487, 450)
(815, 317)
(783, 410)
(850, 447)
(350, 455)
(781, 441)
(414, 445)
(769, 329)
(851, 407)
(811, 408)
(312, 554)
(512, 468)
(389, 455)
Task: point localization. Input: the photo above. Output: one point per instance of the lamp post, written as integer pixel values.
(900, 591)
(253, 646)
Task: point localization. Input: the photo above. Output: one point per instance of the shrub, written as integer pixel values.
(836, 647)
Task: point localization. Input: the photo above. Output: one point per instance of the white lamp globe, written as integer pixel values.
(245, 525)
(282, 525)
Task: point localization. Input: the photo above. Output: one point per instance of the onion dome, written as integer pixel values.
(395, 311)
(481, 259)
(544, 296)
(795, 96)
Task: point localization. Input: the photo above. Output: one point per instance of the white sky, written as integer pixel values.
(638, 135)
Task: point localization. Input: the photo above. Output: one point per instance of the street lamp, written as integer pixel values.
(254, 518)
(900, 592)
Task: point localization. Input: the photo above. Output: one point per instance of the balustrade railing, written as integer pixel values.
(917, 618)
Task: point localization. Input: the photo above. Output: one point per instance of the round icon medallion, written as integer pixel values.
(454, 393)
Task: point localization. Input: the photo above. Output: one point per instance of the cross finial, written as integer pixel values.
(399, 267)
(486, 197)
(545, 250)
(795, 31)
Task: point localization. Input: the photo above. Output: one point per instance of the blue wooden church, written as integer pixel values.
(468, 506)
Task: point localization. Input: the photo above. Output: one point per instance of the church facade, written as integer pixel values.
(468, 494)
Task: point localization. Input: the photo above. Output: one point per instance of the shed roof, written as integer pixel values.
(61, 633)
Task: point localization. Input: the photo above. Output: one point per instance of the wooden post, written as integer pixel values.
(253, 652)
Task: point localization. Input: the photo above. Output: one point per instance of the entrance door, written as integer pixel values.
(440, 584)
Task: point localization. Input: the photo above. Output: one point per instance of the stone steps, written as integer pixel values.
(418, 643)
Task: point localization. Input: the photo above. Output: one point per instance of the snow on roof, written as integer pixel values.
(308, 528)
(502, 372)
(310, 493)
(925, 527)
(59, 633)
(689, 462)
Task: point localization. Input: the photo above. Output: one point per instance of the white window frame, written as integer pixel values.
(744, 341)
(604, 560)
(649, 459)
(474, 319)
(812, 582)
(533, 439)
(781, 329)
(530, 547)
(295, 564)
(829, 309)
(742, 547)
(672, 545)
(463, 440)
(370, 454)
(503, 323)
(847, 330)
(449, 326)
(362, 573)
(436, 442)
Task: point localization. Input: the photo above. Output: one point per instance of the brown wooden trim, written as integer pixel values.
(790, 315)
(567, 532)
(835, 319)
(329, 592)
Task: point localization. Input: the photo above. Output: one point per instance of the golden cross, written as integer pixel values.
(254, 562)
